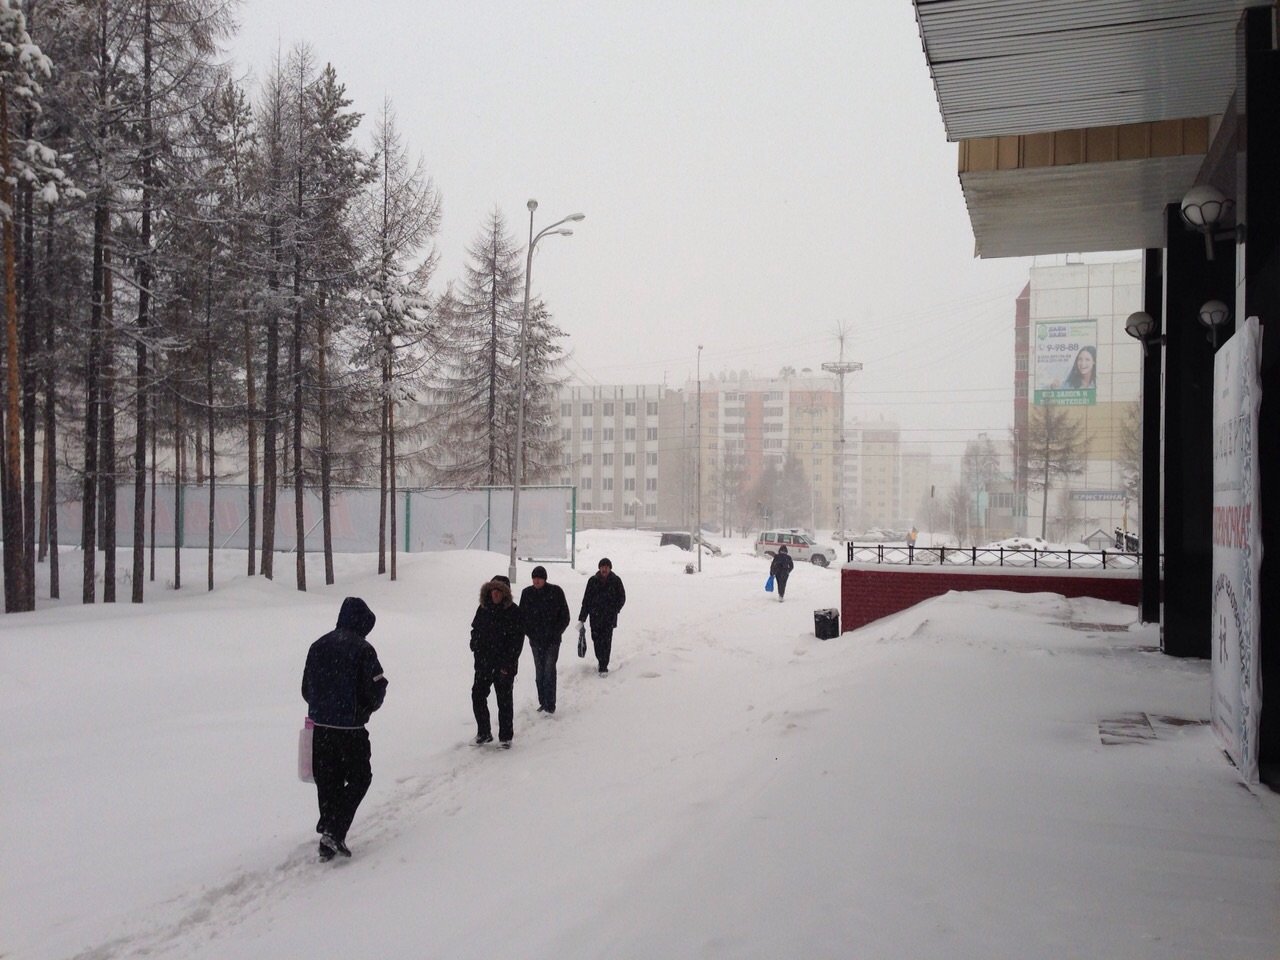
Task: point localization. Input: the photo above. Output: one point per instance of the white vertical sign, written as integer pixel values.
(1237, 548)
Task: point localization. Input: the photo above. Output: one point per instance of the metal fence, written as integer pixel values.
(996, 557)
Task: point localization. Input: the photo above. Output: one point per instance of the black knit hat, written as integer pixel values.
(539, 573)
(605, 562)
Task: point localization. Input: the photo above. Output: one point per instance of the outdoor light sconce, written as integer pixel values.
(1205, 209)
(1139, 326)
(1214, 314)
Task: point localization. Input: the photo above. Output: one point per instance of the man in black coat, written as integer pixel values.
(601, 601)
(780, 569)
(545, 614)
(343, 684)
(497, 638)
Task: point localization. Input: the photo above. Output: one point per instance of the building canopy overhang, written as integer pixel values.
(1078, 121)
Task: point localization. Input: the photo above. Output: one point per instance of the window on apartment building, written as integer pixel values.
(772, 443)
(629, 483)
(566, 435)
(565, 459)
(566, 409)
(586, 409)
(586, 504)
(651, 433)
(566, 481)
(735, 412)
(628, 459)
(608, 409)
(773, 428)
(651, 459)
(817, 445)
(629, 408)
(607, 506)
(628, 509)
(773, 395)
(629, 435)
(732, 397)
(586, 459)
(587, 434)
(606, 459)
(586, 483)
(650, 509)
(773, 411)
(606, 483)
(651, 484)
(606, 434)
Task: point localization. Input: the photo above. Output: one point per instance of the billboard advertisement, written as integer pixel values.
(1066, 363)
(1237, 549)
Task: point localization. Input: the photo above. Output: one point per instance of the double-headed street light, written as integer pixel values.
(517, 473)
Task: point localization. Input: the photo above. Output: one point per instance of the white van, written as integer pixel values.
(799, 544)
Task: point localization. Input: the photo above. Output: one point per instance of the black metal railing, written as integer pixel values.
(995, 557)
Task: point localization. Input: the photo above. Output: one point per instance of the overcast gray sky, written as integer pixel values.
(753, 174)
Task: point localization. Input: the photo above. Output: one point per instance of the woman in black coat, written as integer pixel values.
(497, 638)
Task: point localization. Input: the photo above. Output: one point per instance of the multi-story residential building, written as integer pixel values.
(877, 499)
(1067, 318)
(611, 441)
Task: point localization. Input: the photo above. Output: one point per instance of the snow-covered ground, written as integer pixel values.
(934, 785)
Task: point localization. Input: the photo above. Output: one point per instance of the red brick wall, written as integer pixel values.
(867, 594)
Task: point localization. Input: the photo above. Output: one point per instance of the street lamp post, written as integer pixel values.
(517, 471)
(698, 532)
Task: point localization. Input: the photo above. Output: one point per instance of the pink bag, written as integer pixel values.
(305, 736)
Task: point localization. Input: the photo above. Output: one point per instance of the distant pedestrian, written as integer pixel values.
(545, 615)
(780, 569)
(497, 637)
(601, 601)
(343, 684)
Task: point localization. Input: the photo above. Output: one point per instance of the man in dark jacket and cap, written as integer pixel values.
(343, 684)
(545, 614)
(497, 639)
(780, 569)
(601, 601)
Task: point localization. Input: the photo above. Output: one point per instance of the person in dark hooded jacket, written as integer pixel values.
(780, 569)
(497, 639)
(343, 684)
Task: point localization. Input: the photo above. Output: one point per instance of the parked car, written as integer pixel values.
(687, 541)
(800, 545)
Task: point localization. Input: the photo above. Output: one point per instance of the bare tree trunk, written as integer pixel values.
(108, 459)
(252, 400)
(17, 595)
(208, 396)
(49, 509)
(154, 470)
(179, 456)
(382, 474)
(269, 481)
(29, 361)
(391, 443)
(144, 320)
(326, 493)
(299, 518)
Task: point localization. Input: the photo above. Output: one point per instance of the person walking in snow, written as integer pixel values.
(601, 601)
(343, 684)
(497, 638)
(545, 614)
(780, 569)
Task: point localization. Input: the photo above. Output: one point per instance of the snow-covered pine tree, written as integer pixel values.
(476, 425)
(398, 218)
(544, 377)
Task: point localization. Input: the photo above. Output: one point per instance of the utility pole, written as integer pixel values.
(840, 368)
(698, 532)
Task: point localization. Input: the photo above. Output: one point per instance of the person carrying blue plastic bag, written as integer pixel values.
(779, 570)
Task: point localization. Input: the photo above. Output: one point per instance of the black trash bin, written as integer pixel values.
(826, 623)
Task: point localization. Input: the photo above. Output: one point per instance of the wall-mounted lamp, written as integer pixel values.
(1205, 209)
(1214, 314)
(1140, 326)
